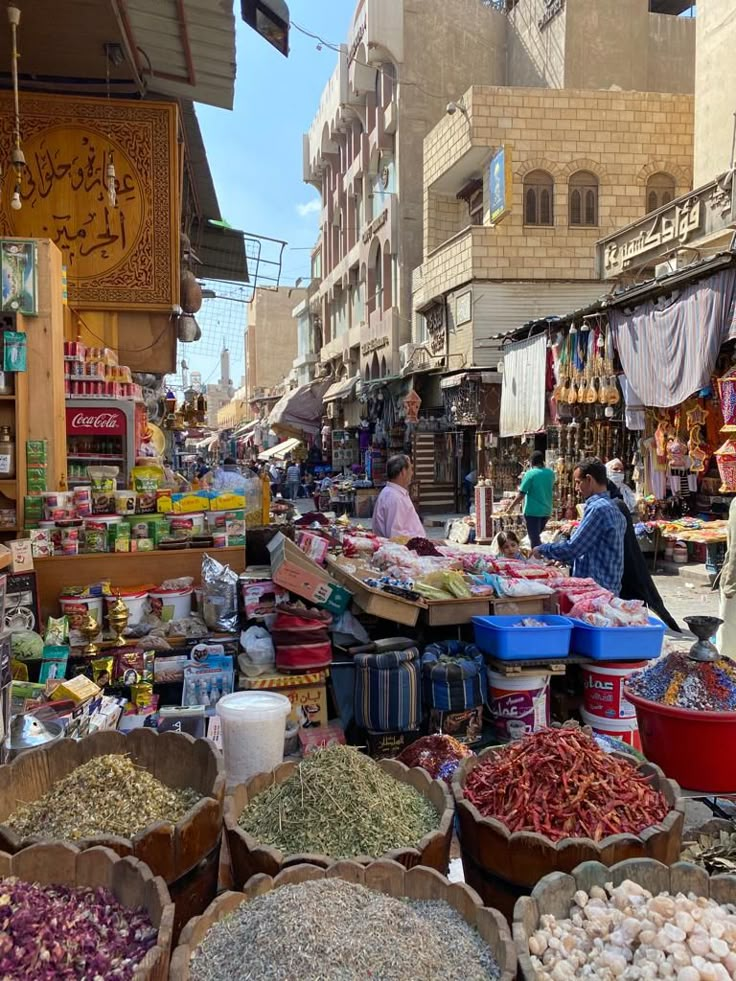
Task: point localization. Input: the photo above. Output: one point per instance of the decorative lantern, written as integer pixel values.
(412, 402)
(727, 397)
(726, 457)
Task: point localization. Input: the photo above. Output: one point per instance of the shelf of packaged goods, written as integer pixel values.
(124, 569)
(94, 456)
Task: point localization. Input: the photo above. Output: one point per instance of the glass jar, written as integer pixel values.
(7, 454)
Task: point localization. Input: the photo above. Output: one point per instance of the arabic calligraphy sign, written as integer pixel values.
(119, 257)
(688, 218)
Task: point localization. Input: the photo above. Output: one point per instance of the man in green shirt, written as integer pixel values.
(536, 491)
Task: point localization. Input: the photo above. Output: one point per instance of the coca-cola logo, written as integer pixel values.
(111, 421)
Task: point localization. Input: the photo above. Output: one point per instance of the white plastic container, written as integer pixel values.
(135, 600)
(253, 730)
(518, 706)
(625, 730)
(171, 604)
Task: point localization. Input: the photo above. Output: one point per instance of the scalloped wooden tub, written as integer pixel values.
(384, 876)
(185, 854)
(554, 893)
(502, 866)
(250, 857)
(129, 880)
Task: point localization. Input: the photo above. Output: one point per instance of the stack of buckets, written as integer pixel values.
(605, 708)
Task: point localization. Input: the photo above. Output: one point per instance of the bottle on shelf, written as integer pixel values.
(7, 454)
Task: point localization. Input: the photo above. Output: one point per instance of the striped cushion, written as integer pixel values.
(453, 676)
(387, 690)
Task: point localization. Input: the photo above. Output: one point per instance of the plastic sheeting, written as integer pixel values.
(523, 387)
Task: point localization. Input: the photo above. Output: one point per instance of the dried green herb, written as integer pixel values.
(332, 930)
(714, 850)
(342, 804)
(110, 795)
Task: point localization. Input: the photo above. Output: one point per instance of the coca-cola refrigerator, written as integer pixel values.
(102, 432)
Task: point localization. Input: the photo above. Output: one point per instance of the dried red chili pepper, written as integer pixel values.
(559, 783)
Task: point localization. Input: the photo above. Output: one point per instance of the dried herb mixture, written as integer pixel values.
(110, 795)
(332, 930)
(55, 933)
(342, 804)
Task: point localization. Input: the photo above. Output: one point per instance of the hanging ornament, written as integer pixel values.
(112, 194)
(17, 158)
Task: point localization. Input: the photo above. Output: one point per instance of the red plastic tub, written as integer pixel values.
(697, 749)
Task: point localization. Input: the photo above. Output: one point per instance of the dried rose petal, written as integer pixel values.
(54, 933)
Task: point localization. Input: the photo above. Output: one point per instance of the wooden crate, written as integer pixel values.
(385, 876)
(129, 880)
(250, 857)
(554, 893)
(515, 861)
(442, 613)
(374, 601)
(173, 851)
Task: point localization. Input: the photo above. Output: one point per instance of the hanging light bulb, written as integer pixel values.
(15, 202)
(112, 194)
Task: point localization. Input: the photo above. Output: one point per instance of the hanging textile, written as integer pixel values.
(522, 391)
(669, 350)
(634, 415)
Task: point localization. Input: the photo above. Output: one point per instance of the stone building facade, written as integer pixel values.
(270, 344)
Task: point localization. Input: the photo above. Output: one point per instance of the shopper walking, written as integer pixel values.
(727, 632)
(596, 547)
(293, 480)
(536, 491)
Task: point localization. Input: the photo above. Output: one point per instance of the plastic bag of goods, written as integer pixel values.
(219, 596)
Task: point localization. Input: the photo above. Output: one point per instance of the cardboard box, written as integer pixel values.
(293, 570)
(306, 692)
(22, 556)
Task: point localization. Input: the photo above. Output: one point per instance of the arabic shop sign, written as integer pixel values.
(122, 256)
(706, 211)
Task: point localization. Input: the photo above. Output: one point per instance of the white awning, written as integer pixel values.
(207, 443)
(281, 450)
(342, 389)
(243, 430)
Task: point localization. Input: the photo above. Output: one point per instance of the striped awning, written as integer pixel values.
(281, 450)
(342, 389)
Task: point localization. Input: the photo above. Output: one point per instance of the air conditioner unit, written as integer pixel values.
(405, 354)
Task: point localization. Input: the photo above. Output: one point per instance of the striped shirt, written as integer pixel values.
(596, 547)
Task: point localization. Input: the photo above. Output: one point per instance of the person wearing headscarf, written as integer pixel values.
(637, 582)
(615, 473)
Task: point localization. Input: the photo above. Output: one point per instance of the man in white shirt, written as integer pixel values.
(394, 515)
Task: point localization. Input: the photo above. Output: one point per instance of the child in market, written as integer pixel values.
(508, 546)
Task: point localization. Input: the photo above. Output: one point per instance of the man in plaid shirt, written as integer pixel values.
(596, 547)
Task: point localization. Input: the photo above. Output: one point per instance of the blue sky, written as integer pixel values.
(255, 151)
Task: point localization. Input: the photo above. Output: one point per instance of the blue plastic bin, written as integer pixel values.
(617, 643)
(499, 637)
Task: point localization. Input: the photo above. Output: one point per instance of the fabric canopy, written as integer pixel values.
(246, 428)
(281, 450)
(523, 387)
(207, 443)
(669, 350)
(298, 413)
(342, 389)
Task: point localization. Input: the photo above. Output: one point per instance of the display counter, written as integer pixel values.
(124, 569)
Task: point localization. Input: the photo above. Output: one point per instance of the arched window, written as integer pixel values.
(583, 188)
(660, 190)
(378, 272)
(375, 370)
(539, 198)
(383, 367)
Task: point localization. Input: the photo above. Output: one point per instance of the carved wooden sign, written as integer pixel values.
(121, 257)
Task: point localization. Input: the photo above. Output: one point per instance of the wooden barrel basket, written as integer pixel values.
(502, 865)
(554, 893)
(250, 857)
(185, 854)
(129, 880)
(387, 877)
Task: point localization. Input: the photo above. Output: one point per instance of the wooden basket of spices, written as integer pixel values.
(355, 919)
(157, 797)
(553, 800)
(338, 800)
(90, 908)
(604, 923)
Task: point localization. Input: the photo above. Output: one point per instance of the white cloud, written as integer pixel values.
(310, 208)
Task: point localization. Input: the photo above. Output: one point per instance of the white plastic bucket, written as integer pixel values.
(253, 730)
(603, 686)
(171, 604)
(518, 706)
(625, 730)
(135, 600)
(76, 608)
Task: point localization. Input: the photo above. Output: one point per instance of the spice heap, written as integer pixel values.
(714, 850)
(678, 681)
(629, 933)
(559, 783)
(54, 933)
(342, 804)
(439, 755)
(334, 930)
(110, 795)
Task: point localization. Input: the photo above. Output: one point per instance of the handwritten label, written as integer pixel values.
(65, 198)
